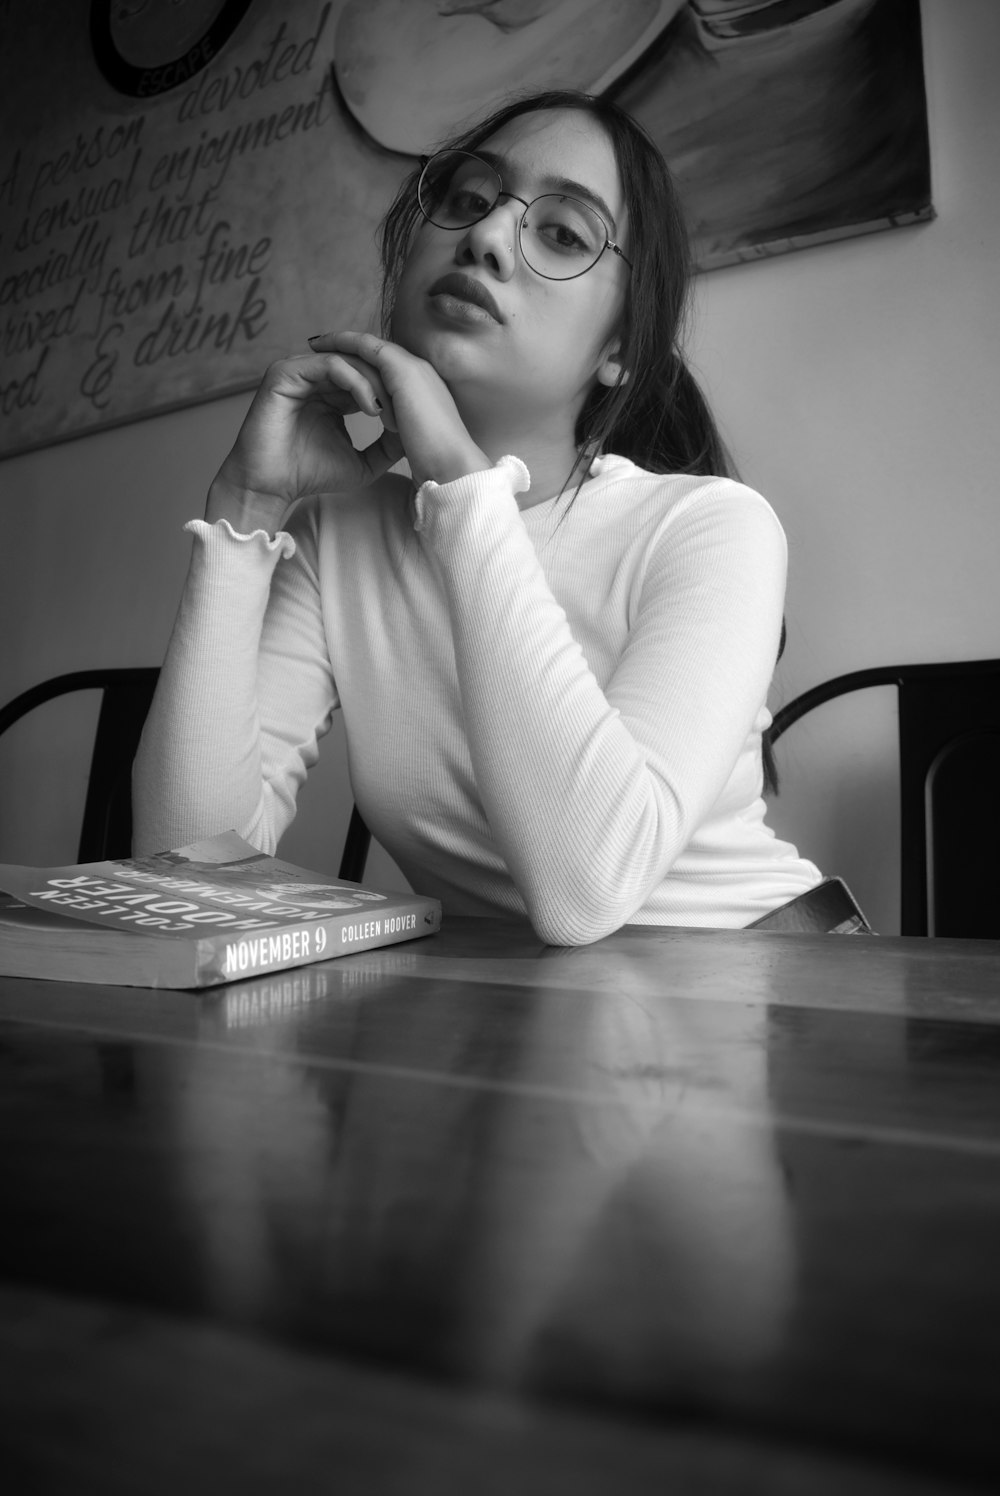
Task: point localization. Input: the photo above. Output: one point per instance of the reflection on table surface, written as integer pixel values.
(719, 1209)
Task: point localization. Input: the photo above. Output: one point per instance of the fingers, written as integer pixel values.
(381, 455)
(356, 374)
(347, 360)
(403, 380)
(378, 355)
(364, 345)
(301, 375)
(418, 404)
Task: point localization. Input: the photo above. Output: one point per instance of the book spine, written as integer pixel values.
(226, 957)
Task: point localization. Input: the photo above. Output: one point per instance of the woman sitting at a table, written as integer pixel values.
(553, 647)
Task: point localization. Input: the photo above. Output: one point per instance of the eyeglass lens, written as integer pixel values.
(560, 236)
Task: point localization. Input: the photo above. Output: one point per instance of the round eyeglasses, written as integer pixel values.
(560, 237)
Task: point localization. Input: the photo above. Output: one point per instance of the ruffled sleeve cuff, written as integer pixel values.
(221, 536)
(231, 573)
(507, 477)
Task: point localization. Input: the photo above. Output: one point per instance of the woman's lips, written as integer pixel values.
(465, 288)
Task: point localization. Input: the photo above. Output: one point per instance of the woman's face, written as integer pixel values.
(537, 348)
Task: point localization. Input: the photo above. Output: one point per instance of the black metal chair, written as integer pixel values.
(949, 768)
(107, 815)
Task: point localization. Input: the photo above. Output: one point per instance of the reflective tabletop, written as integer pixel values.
(686, 1211)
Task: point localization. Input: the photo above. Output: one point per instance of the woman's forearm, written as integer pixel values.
(198, 769)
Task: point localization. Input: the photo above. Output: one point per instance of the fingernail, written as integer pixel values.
(315, 338)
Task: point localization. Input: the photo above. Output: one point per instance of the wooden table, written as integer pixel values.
(682, 1212)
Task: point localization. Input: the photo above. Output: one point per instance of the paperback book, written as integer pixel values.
(202, 915)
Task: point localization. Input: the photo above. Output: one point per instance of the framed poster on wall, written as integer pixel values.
(188, 190)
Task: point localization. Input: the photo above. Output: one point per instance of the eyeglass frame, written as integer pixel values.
(609, 243)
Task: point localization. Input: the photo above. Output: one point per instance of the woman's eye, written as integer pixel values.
(568, 237)
(565, 227)
(463, 200)
(562, 237)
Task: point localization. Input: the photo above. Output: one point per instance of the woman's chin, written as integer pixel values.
(451, 358)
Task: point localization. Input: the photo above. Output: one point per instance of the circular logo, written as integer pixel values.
(145, 49)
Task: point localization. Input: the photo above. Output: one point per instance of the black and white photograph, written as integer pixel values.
(499, 747)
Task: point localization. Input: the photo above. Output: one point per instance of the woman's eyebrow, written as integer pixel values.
(564, 185)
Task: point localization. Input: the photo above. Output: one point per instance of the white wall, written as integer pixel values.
(859, 385)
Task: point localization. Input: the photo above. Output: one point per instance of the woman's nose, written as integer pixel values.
(493, 240)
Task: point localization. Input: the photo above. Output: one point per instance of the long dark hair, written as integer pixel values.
(656, 413)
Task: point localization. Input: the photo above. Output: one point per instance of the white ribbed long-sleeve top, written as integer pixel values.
(555, 712)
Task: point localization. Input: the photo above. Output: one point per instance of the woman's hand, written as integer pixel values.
(416, 404)
(294, 441)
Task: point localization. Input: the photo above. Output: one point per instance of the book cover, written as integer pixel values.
(199, 916)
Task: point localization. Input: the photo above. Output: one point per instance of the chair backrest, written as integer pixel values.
(126, 695)
(356, 845)
(949, 772)
(106, 831)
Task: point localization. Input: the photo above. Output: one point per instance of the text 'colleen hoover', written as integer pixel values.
(260, 951)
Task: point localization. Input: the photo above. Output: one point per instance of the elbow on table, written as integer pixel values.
(579, 894)
(567, 918)
(575, 901)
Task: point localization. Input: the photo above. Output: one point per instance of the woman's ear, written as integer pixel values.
(609, 370)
